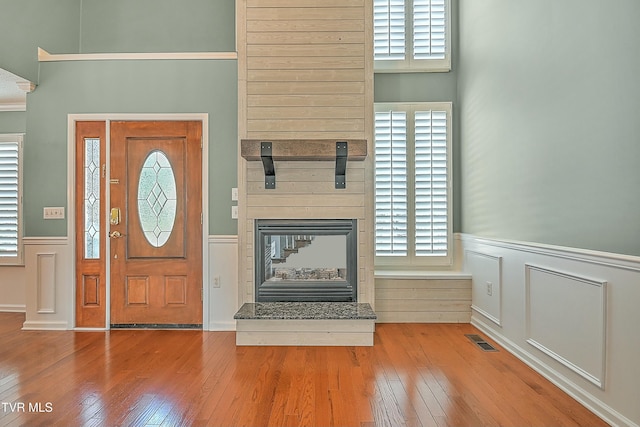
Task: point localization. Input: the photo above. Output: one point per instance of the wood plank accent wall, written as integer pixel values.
(305, 73)
(423, 300)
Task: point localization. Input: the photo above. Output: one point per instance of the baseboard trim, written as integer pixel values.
(596, 406)
(45, 326)
(13, 308)
(222, 326)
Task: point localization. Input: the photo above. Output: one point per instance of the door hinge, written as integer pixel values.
(201, 218)
(201, 294)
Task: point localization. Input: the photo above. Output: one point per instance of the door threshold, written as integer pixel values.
(156, 326)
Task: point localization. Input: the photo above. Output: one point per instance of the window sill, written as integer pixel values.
(432, 275)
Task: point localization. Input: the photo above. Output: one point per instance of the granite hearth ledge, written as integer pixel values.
(305, 311)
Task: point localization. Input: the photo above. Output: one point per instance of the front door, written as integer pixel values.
(155, 220)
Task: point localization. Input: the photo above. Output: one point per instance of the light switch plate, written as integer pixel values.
(53, 213)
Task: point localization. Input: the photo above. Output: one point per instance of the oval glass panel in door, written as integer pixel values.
(157, 198)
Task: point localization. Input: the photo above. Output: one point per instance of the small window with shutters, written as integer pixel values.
(413, 184)
(411, 35)
(10, 199)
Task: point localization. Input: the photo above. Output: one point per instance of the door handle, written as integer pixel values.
(116, 234)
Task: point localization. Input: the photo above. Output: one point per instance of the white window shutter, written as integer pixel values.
(9, 199)
(391, 183)
(431, 183)
(389, 29)
(429, 29)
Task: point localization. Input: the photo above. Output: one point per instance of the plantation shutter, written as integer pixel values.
(388, 29)
(391, 183)
(429, 29)
(9, 200)
(431, 183)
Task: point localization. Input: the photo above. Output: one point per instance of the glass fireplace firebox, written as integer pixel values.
(306, 260)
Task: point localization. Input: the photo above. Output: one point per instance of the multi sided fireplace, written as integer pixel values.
(306, 260)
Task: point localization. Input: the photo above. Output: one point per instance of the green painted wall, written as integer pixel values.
(13, 121)
(157, 26)
(127, 87)
(74, 26)
(550, 128)
(26, 25)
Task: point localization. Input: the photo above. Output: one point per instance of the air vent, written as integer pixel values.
(480, 342)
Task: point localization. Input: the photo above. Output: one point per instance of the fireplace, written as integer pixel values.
(306, 260)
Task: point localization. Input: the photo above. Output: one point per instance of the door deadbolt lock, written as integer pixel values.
(114, 217)
(115, 234)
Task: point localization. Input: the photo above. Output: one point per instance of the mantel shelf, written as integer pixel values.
(303, 149)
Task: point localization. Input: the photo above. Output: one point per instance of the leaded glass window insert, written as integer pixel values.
(92, 198)
(157, 198)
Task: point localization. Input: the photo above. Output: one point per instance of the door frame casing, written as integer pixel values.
(203, 118)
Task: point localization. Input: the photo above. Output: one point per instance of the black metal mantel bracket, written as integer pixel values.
(267, 162)
(266, 155)
(341, 164)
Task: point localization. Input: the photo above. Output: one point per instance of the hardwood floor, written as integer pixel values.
(415, 375)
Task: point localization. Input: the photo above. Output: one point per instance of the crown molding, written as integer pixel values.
(13, 106)
(44, 56)
(26, 86)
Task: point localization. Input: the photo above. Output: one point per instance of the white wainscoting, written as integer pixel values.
(570, 314)
(577, 341)
(48, 283)
(49, 293)
(486, 284)
(12, 289)
(223, 282)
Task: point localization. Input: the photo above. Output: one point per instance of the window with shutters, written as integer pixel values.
(411, 35)
(413, 184)
(10, 199)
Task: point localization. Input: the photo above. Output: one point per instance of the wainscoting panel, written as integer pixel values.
(572, 315)
(49, 280)
(46, 285)
(577, 341)
(486, 284)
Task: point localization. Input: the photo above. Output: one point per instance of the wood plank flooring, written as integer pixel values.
(414, 375)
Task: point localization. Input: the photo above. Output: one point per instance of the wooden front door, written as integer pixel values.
(155, 220)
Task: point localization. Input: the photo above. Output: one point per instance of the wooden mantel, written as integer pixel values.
(307, 149)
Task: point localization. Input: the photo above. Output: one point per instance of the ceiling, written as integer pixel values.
(12, 97)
